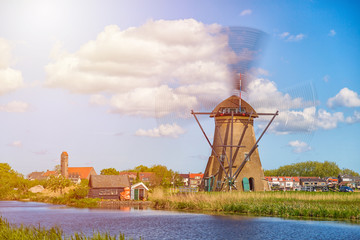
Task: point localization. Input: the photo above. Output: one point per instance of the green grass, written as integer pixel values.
(12, 232)
(282, 204)
(65, 200)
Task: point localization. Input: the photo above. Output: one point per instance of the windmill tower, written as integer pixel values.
(234, 162)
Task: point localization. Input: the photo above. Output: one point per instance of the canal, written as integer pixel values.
(156, 224)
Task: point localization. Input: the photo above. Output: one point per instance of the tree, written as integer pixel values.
(11, 182)
(56, 183)
(142, 168)
(163, 176)
(347, 171)
(109, 171)
(307, 169)
(81, 190)
(57, 168)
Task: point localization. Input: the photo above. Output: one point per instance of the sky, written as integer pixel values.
(113, 82)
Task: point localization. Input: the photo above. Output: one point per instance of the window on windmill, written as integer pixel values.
(222, 157)
(230, 110)
(246, 156)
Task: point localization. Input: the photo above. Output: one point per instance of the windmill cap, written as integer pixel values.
(233, 102)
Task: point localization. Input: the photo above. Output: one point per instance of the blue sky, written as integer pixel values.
(83, 77)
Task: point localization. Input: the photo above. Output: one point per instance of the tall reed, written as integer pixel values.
(283, 204)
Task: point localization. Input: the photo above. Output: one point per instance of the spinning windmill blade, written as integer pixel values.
(234, 162)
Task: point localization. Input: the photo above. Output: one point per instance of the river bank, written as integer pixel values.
(330, 205)
(339, 206)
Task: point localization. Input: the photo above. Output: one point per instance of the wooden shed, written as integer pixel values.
(139, 191)
(107, 186)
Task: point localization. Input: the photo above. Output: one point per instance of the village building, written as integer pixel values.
(185, 179)
(195, 179)
(332, 182)
(283, 183)
(313, 183)
(108, 186)
(139, 191)
(349, 180)
(192, 180)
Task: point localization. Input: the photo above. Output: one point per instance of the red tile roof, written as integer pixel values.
(193, 175)
(49, 173)
(84, 172)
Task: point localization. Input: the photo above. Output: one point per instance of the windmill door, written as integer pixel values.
(246, 185)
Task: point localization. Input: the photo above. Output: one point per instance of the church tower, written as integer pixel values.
(64, 164)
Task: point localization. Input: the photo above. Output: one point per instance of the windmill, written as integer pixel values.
(234, 162)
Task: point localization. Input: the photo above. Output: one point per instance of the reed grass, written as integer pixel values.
(282, 204)
(12, 232)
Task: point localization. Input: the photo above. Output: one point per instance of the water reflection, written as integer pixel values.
(153, 224)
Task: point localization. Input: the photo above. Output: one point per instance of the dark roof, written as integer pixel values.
(184, 175)
(36, 175)
(312, 179)
(109, 181)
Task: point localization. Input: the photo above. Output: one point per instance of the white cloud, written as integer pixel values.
(246, 12)
(164, 130)
(296, 114)
(291, 38)
(345, 98)
(182, 59)
(15, 106)
(10, 79)
(299, 147)
(353, 119)
(16, 144)
(332, 33)
(327, 120)
(284, 34)
(296, 38)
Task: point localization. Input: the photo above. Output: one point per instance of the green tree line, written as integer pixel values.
(310, 169)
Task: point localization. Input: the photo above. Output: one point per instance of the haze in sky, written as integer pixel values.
(89, 78)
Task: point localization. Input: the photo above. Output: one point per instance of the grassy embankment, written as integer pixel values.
(74, 196)
(11, 232)
(282, 204)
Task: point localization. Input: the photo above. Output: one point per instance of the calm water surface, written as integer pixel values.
(155, 224)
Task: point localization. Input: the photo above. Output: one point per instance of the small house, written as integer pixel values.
(139, 191)
(108, 186)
